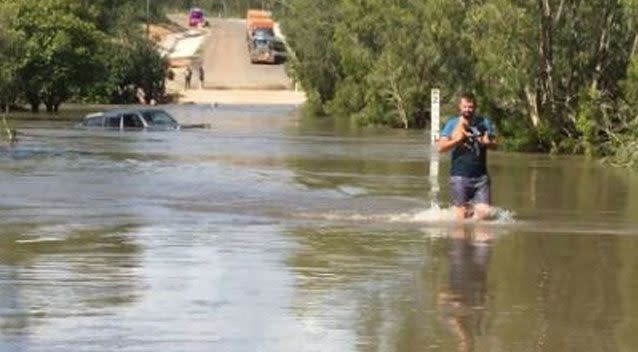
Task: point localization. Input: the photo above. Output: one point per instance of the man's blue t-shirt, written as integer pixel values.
(469, 159)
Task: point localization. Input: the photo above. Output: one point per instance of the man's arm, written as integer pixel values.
(446, 143)
(489, 138)
(488, 141)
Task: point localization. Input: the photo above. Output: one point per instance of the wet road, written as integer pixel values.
(268, 233)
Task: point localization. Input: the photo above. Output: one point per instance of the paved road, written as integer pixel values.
(227, 64)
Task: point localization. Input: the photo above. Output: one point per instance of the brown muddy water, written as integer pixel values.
(267, 233)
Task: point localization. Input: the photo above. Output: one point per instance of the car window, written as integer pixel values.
(264, 32)
(94, 121)
(112, 122)
(158, 118)
(132, 121)
(261, 42)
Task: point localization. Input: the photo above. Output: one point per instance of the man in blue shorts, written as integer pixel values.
(468, 137)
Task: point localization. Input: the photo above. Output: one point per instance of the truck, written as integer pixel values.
(264, 48)
(257, 22)
(262, 44)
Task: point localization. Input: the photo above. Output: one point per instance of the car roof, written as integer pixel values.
(123, 110)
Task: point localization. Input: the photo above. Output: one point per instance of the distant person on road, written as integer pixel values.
(188, 75)
(201, 76)
(141, 95)
(468, 137)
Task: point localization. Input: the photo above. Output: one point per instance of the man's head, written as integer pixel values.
(467, 105)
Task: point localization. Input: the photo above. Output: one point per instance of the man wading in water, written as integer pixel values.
(468, 137)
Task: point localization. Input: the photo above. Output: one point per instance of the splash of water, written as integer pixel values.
(432, 214)
(436, 214)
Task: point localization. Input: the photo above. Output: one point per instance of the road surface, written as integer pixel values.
(227, 63)
(229, 77)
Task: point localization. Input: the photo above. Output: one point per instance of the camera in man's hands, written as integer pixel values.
(474, 134)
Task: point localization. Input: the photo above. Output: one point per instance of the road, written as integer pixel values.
(230, 78)
(227, 64)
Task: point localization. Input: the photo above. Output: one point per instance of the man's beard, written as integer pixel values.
(468, 114)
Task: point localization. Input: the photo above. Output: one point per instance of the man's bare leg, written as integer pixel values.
(462, 212)
(482, 211)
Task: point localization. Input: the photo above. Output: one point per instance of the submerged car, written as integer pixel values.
(131, 119)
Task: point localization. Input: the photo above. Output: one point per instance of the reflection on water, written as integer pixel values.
(469, 288)
(463, 300)
(53, 272)
(266, 233)
(391, 290)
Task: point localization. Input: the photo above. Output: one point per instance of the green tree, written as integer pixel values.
(629, 84)
(309, 26)
(376, 60)
(10, 49)
(59, 51)
(130, 63)
(543, 59)
(117, 16)
(547, 71)
(421, 42)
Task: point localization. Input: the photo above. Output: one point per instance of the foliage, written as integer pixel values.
(10, 48)
(113, 16)
(225, 8)
(622, 147)
(630, 83)
(130, 63)
(59, 51)
(588, 115)
(145, 68)
(56, 50)
(312, 27)
(551, 73)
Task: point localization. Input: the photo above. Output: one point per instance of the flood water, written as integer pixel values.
(270, 233)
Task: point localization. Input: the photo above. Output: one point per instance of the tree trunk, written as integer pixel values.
(603, 48)
(35, 106)
(532, 104)
(545, 51)
(397, 100)
(559, 12)
(34, 100)
(48, 103)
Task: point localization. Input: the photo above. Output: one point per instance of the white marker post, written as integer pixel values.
(435, 111)
(435, 103)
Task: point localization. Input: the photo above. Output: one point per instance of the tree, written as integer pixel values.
(10, 49)
(545, 58)
(59, 50)
(421, 42)
(309, 26)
